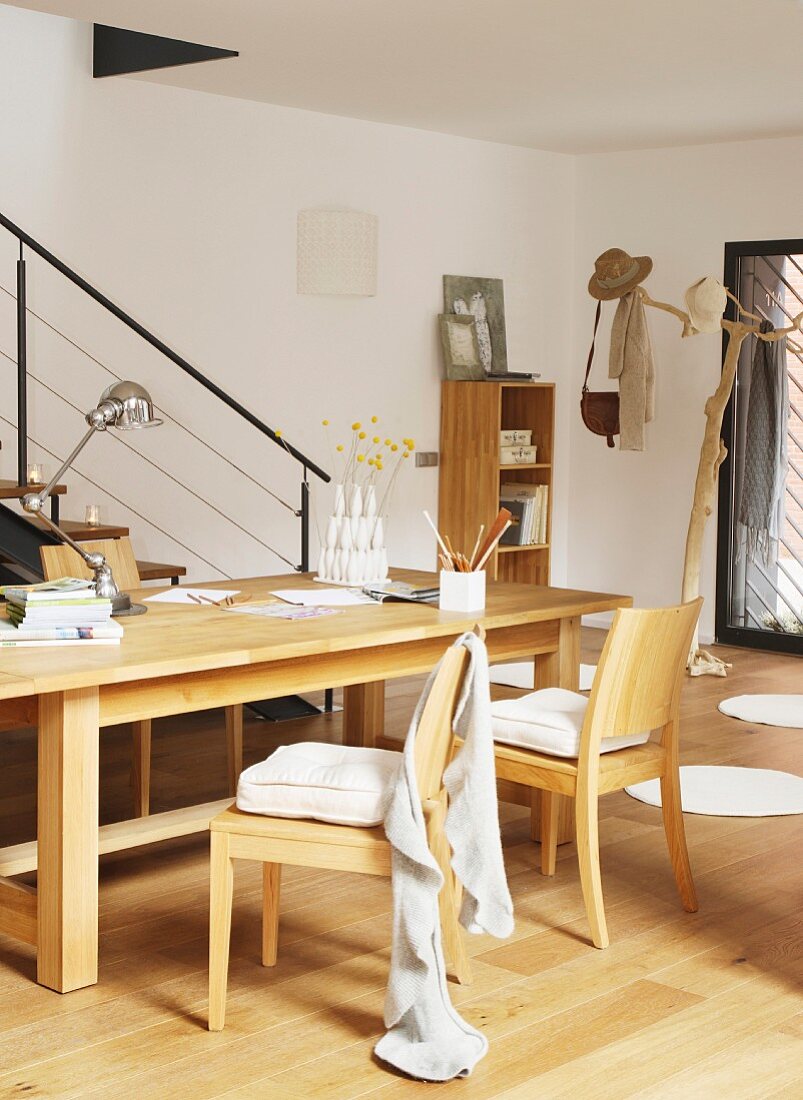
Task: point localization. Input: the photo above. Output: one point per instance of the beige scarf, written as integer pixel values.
(631, 362)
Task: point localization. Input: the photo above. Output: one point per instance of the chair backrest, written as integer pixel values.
(435, 738)
(641, 671)
(62, 561)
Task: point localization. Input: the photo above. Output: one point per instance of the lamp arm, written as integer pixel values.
(91, 559)
(48, 489)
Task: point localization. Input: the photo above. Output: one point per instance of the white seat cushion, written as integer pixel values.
(549, 721)
(340, 784)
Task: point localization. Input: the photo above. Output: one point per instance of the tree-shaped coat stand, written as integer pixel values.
(712, 455)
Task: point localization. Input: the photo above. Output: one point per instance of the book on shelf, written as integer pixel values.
(530, 503)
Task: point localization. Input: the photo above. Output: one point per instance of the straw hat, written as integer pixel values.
(706, 301)
(616, 273)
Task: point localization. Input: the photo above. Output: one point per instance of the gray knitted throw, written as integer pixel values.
(764, 470)
(427, 1038)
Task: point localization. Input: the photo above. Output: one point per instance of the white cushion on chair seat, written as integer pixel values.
(340, 784)
(550, 721)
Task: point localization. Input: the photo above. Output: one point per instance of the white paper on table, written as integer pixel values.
(182, 595)
(322, 597)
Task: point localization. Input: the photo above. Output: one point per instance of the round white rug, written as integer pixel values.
(730, 792)
(520, 674)
(768, 710)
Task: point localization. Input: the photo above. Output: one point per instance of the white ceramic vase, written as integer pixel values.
(330, 537)
(355, 508)
(369, 502)
(378, 536)
(361, 540)
(340, 501)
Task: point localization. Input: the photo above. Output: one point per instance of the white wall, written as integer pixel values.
(629, 511)
(182, 207)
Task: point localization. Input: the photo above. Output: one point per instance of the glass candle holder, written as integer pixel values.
(36, 473)
(92, 517)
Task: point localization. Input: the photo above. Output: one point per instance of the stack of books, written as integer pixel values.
(60, 612)
(528, 506)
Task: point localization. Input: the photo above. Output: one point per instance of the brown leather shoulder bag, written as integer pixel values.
(599, 408)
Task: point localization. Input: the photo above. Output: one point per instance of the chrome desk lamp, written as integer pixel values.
(125, 405)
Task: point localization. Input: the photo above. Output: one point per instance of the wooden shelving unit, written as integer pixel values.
(472, 416)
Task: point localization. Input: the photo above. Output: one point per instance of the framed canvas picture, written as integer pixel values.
(461, 353)
(484, 301)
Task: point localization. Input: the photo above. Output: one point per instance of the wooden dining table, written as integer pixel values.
(181, 658)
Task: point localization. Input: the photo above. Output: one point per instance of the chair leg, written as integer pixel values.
(234, 744)
(141, 767)
(448, 901)
(587, 815)
(271, 886)
(550, 806)
(676, 837)
(221, 884)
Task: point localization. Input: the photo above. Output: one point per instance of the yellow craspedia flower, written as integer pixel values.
(361, 458)
(406, 454)
(375, 439)
(278, 434)
(355, 427)
(339, 447)
(361, 435)
(379, 458)
(379, 466)
(394, 446)
(374, 419)
(325, 423)
(411, 445)
(388, 442)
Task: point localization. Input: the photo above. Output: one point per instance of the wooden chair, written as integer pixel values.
(636, 689)
(307, 843)
(62, 561)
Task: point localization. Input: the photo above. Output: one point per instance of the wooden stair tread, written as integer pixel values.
(10, 490)
(84, 532)
(157, 571)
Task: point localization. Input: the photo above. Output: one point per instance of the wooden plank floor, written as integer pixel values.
(702, 1006)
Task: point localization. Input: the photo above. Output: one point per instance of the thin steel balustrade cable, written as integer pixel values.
(156, 466)
(139, 515)
(164, 412)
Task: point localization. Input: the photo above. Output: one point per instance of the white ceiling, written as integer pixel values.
(567, 75)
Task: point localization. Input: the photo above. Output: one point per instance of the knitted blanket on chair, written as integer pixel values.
(426, 1037)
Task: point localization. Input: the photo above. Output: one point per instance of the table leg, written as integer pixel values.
(363, 713)
(67, 878)
(558, 669)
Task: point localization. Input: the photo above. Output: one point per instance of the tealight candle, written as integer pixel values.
(36, 473)
(92, 518)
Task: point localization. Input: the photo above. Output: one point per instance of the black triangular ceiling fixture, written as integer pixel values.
(118, 51)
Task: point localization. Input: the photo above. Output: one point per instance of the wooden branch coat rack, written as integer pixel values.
(712, 455)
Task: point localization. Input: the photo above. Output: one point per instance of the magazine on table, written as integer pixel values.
(401, 592)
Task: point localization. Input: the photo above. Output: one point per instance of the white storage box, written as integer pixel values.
(462, 591)
(511, 456)
(513, 437)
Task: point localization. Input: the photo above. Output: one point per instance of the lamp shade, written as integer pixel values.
(337, 252)
(125, 405)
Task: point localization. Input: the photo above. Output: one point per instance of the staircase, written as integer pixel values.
(12, 568)
(22, 535)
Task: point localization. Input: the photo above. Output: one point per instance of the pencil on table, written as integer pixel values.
(492, 547)
(473, 557)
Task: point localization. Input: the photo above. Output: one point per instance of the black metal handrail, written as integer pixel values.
(26, 240)
(154, 341)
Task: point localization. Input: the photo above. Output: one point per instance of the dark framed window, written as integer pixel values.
(759, 600)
